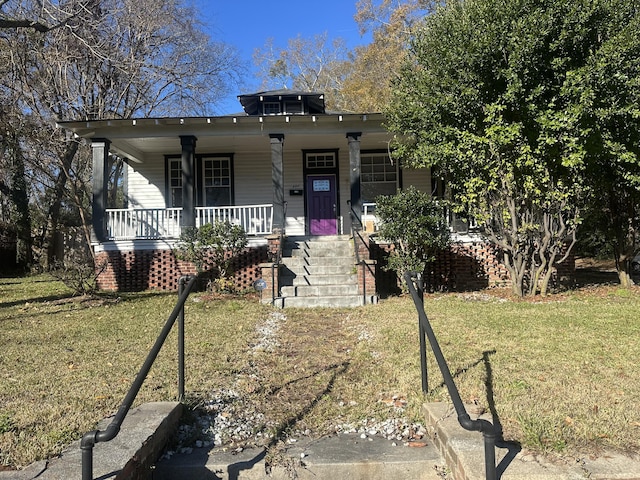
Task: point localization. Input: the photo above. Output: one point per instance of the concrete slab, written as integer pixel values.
(130, 455)
(344, 456)
(611, 466)
(464, 453)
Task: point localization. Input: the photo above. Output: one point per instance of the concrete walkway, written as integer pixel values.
(450, 453)
(141, 440)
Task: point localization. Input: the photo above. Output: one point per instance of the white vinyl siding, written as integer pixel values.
(146, 184)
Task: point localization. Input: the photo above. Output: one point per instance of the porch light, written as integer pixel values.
(339, 118)
(133, 122)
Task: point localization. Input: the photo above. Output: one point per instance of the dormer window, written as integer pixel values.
(293, 107)
(271, 108)
(283, 102)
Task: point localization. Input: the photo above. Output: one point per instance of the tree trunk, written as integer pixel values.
(623, 266)
(20, 200)
(56, 205)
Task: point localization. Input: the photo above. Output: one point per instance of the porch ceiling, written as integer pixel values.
(142, 138)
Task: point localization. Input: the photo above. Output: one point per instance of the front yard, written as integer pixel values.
(561, 373)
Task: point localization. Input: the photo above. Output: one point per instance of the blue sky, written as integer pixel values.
(247, 24)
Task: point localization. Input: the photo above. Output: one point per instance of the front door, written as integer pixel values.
(321, 204)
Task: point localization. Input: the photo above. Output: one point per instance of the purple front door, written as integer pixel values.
(321, 204)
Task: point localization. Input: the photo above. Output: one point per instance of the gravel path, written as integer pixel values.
(228, 420)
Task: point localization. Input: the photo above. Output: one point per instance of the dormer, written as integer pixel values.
(283, 102)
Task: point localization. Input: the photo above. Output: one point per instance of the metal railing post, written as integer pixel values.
(488, 430)
(419, 283)
(490, 455)
(181, 286)
(89, 439)
(364, 281)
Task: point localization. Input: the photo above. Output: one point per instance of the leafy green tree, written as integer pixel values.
(607, 90)
(491, 97)
(416, 226)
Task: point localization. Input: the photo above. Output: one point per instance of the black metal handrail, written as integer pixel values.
(275, 264)
(489, 430)
(356, 228)
(91, 438)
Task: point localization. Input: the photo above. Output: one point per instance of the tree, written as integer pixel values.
(312, 65)
(106, 59)
(490, 97)
(606, 88)
(391, 22)
(39, 15)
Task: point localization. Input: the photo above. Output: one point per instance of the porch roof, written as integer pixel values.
(138, 138)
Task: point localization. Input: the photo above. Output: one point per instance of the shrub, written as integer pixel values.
(213, 248)
(79, 272)
(415, 224)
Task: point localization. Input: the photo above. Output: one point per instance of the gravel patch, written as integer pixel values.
(228, 420)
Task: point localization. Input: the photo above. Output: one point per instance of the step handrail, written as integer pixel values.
(89, 439)
(356, 235)
(488, 429)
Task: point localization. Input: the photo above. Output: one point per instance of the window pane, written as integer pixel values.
(378, 176)
(216, 181)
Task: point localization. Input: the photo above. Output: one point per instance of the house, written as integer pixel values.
(283, 168)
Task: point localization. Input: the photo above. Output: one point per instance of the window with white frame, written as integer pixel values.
(321, 160)
(216, 181)
(378, 176)
(271, 108)
(174, 174)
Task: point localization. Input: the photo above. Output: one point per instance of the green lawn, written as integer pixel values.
(560, 373)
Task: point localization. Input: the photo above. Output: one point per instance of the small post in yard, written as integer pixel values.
(419, 282)
(181, 286)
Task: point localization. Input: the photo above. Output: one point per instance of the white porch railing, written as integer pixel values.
(143, 223)
(456, 224)
(161, 223)
(255, 219)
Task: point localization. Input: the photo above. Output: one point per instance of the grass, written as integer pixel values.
(560, 374)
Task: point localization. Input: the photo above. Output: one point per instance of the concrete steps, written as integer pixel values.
(319, 272)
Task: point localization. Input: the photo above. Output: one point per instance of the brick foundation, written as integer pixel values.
(139, 270)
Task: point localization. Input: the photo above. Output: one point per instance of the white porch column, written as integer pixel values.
(277, 178)
(354, 175)
(188, 143)
(100, 153)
